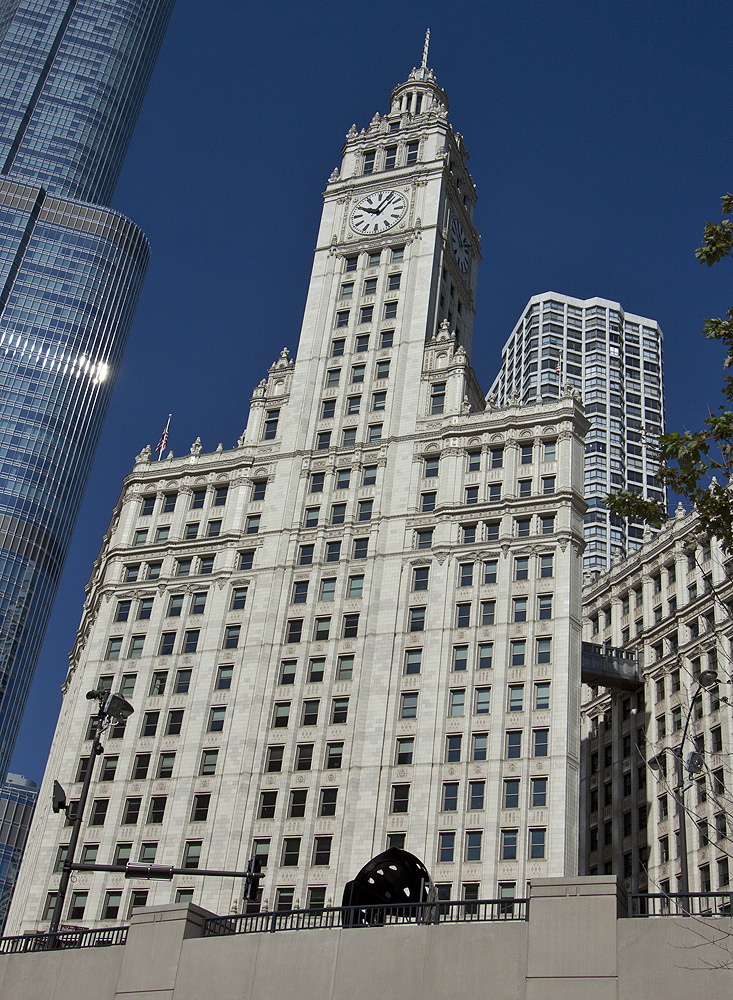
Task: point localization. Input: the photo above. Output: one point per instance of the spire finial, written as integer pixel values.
(425, 50)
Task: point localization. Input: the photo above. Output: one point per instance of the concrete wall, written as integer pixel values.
(577, 945)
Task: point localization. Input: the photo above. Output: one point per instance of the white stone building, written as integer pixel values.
(670, 605)
(361, 626)
(615, 359)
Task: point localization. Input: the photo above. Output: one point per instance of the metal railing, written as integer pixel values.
(443, 912)
(679, 904)
(101, 938)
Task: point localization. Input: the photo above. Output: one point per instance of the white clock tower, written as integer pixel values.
(360, 627)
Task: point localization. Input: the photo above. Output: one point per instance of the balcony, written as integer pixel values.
(605, 666)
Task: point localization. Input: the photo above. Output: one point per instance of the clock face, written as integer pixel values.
(460, 245)
(378, 212)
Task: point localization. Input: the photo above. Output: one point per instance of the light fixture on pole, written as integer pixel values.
(111, 707)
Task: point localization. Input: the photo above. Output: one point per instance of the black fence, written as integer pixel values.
(64, 939)
(443, 912)
(677, 904)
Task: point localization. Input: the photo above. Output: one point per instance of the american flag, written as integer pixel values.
(161, 446)
(557, 370)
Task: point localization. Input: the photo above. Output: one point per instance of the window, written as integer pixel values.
(514, 744)
(544, 650)
(303, 756)
(309, 716)
(360, 548)
(544, 607)
(77, 905)
(424, 538)
(542, 695)
(520, 609)
(315, 669)
(333, 551)
(548, 484)
(131, 812)
(169, 503)
(300, 592)
(132, 573)
(495, 492)
(523, 526)
(518, 652)
(537, 843)
(350, 627)
(521, 568)
(511, 793)
(323, 440)
(449, 801)
(416, 621)
(350, 263)
(123, 611)
(456, 702)
(162, 534)
(453, 749)
(165, 764)
(474, 840)
(192, 854)
(479, 747)
(338, 346)
(550, 452)
(437, 397)
(322, 851)
(485, 655)
(148, 504)
(252, 525)
(339, 710)
(109, 767)
(366, 314)
(327, 802)
(231, 637)
(540, 741)
(287, 671)
(268, 801)
(463, 615)
(369, 156)
(150, 723)
(374, 433)
(334, 755)
(136, 647)
(509, 845)
(446, 847)
(412, 151)
(408, 705)
(400, 799)
(538, 793)
(183, 682)
(490, 571)
(355, 587)
(382, 369)
(405, 750)
(482, 701)
(140, 766)
(345, 668)
(216, 719)
(460, 657)
(224, 678)
(342, 320)
(516, 697)
(546, 566)
(156, 810)
(321, 628)
(525, 454)
(140, 537)
(547, 524)
(190, 640)
(114, 647)
(154, 570)
(357, 373)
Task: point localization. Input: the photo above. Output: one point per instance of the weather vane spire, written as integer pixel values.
(425, 50)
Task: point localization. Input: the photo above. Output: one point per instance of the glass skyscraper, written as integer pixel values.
(73, 74)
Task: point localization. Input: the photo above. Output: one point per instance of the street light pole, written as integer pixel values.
(111, 706)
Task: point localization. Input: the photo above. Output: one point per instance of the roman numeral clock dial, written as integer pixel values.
(378, 212)
(460, 246)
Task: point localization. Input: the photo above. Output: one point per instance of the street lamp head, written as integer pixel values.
(116, 706)
(708, 679)
(655, 763)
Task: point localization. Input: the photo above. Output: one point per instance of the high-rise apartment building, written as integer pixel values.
(73, 74)
(656, 776)
(615, 360)
(358, 628)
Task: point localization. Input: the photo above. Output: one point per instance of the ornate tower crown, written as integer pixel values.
(420, 92)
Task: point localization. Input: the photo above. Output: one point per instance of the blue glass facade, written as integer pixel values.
(17, 801)
(72, 78)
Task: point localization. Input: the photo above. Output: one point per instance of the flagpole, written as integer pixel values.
(164, 438)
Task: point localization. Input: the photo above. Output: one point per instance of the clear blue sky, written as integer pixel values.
(600, 141)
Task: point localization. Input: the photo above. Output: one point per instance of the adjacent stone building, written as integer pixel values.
(664, 616)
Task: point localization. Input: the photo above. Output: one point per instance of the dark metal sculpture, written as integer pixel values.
(383, 885)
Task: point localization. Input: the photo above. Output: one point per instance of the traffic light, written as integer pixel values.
(252, 878)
